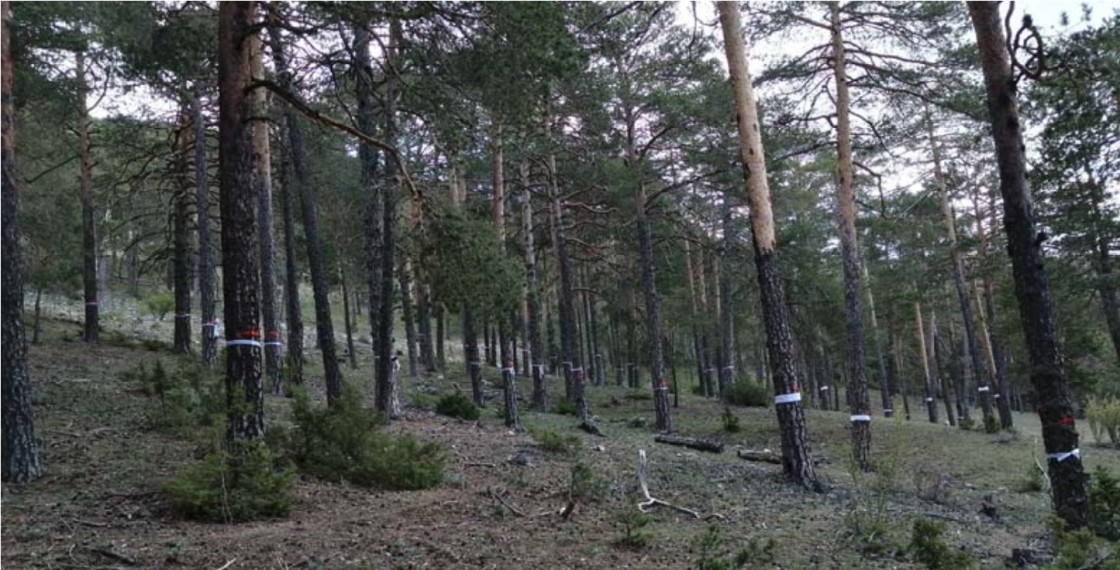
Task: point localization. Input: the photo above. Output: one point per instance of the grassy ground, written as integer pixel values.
(99, 503)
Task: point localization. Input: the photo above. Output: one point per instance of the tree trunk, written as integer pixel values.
(1032, 287)
(849, 253)
(942, 375)
(796, 456)
(85, 193)
(181, 339)
(441, 336)
(346, 319)
(664, 420)
(982, 380)
(208, 337)
(1106, 284)
(37, 328)
(924, 355)
(293, 373)
(315, 259)
(1003, 392)
(406, 314)
(385, 387)
(471, 357)
(884, 377)
(20, 450)
(244, 397)
(726, 333)
(424, 310)
(533, 300)
(262, 153)
(570, 350)
(372, 188)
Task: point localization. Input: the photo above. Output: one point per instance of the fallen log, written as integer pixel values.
(700, 444)
(762, 456)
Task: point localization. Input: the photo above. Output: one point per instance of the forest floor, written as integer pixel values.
(99, 503)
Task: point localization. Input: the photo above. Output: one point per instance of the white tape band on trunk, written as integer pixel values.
(243, 342)
(861, 418)
(929, 400)
(510, 370)
(824, 388)
(1062, 456)
(274, 343)
(983, 389)
(788, 398)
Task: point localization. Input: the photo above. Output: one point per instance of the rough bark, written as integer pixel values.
(982, 380)
(20, 450)
(181, 335)
(385, 386)
(371, 187)
(316, 261)
(660, 384)
(726, 332)
(533, 300)
(293, 373)
(1032, 286)
(849, 253)
(91, 324)
(244, 397)
(262, 156)
(208, 337)
(924, 356)
(405, 279)
(943, 376)
(796, 455)
(472, 357)
(346, 319)
(424, 318)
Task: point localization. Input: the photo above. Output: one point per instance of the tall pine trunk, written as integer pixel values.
(884, 377)
(85, 193)
(406, 314)
(849, 253)
(316, 261)
(1032, 286)
(660, 384)
(262, 153)
(181, 335)
(533, 299)
(244, 397)
(726, 332)
(384, 400)
(20, 450)
(924, 356)
(347, 318)
(294, 361)
(208, 339)
(796, 456)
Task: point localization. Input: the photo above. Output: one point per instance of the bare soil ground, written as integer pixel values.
(99, 504)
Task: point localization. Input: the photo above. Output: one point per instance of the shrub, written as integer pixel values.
(1076, 550)
(424, 401)
(159, 304)
(457, 405)
(1104, 497)
(749, 394)
(991, 423)
(633, 523)
(555, 442)
(1103, 414)
(637, 422)
(564, 408)
(232, 486)
(730, 421)
(586, 487)
(713, 556)
(966, 424)
(344, 441)
(190, 397)
(928, 548)
(1034, 481)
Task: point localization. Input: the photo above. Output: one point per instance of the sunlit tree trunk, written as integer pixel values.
(796, 458)
(536, 351)
(262, 153)
(85, 193)
(923, 355)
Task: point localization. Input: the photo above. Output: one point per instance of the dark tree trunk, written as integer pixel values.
(884, 377)
(944, 376)
(924, 356)
(294, 362)
(1032, 286)
(424, 310)
(181, 339)
(796, 456)
(244, 396)
(89, 228)
(347, 319)
(373, 189)
(568, 340)
(406, 314)
(385, 389)
(533, 300)
(20, 450)
(441, 336)
(38, 315)
(471, 357)
(208, 339)
(726, 332)
(262, 154)
(664, 420)
(315, 259)
(1003, 392)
